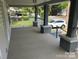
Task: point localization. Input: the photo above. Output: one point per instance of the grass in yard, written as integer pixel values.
(22, 23)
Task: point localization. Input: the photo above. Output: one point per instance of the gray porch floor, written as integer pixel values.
(28, 43)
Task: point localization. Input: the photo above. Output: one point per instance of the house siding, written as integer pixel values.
(4, 30)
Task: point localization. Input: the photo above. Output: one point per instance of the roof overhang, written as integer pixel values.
(16, 3)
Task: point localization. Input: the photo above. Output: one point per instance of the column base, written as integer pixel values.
(35, 23)
(68, 44)
(45, 29)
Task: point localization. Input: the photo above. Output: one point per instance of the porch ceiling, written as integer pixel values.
(29, 2)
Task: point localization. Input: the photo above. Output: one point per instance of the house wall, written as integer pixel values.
(5, 30)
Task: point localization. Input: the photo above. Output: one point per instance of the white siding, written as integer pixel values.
(4, 30)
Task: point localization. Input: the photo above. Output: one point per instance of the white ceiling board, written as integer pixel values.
(28, 2)
(20, 2)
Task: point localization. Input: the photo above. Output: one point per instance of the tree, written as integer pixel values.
(41, 12)
(55, 9)
(25, 10)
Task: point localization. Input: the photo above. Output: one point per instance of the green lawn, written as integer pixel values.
(26, 23)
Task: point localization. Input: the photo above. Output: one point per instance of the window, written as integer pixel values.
(52, 21)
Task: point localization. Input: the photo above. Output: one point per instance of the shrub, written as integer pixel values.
(25, 18)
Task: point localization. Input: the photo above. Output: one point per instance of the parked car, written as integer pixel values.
(15, 17)
(59, 23)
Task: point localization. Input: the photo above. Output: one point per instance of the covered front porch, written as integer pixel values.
(37, 42)
(28, 43)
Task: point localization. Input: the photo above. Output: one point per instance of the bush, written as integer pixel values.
(25, 18)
